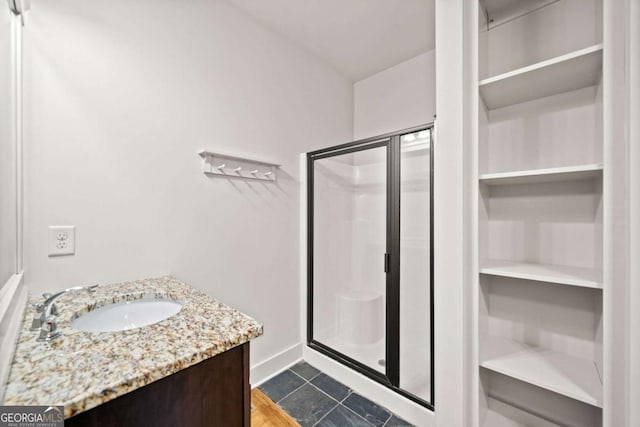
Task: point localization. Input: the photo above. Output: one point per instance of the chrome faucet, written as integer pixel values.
(45, 320)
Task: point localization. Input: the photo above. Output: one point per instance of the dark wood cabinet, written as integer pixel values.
(212, 393)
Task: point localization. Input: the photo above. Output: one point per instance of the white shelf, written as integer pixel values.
(564, 275)
(502, 11)
(501, 414)
(564, 73)
(569, 376)
(535, 176)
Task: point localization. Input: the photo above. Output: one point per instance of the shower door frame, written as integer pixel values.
(390, 261)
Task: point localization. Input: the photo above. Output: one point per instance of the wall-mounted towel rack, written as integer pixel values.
(237, 167)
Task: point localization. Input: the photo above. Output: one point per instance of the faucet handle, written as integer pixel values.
(49, 329)
(46, 295)
(36, 323)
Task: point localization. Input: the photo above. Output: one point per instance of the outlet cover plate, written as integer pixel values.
(62, 240)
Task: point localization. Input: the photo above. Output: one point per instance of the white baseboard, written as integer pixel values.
(399, 405)
(277, 363)
(13, 298)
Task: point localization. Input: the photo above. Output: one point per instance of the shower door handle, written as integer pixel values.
(386, 262)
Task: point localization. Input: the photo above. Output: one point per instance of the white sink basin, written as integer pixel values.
(126, 315)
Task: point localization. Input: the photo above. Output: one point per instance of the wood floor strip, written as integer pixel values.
(265, 413)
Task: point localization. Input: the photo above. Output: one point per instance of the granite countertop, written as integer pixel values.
(82, 370)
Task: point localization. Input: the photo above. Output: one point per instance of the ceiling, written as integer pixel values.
(357, 37)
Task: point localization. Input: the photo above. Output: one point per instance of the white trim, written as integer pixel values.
(18, 138)
(7, 292)
(607, 319)
(265, 370)
(302, 222)
(615, 224)
(472, 296)
(451, 347)
(372, 390)
(12, 295)
(633, 164)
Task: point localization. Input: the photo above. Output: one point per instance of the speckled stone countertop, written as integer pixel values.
(82, 370)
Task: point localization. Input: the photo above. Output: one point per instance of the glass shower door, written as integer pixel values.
(370, 258)
(349, 246)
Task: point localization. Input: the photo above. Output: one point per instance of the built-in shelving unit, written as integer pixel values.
(540, 231)
(560, 274)
(572, 71)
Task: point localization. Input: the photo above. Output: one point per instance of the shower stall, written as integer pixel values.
(370, 258)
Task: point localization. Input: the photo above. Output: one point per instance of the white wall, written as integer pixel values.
(400, 97)
(119, 98)
(7, 151)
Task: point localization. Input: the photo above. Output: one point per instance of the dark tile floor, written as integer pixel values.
(315, 399)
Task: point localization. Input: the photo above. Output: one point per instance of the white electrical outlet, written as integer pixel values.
(62, 240)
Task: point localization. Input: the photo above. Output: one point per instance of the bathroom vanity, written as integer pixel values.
(190, 369)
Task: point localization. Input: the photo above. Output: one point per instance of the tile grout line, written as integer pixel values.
(321, 391)
(387, 422)
(360, 416)
(307, 380)
(314, 377)
(390, 416)
(325, 415)
(297, 388)
(348, 394)
(338, 403)
(312, 385)
(285, 396)
(346, 407)
(327, 394)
